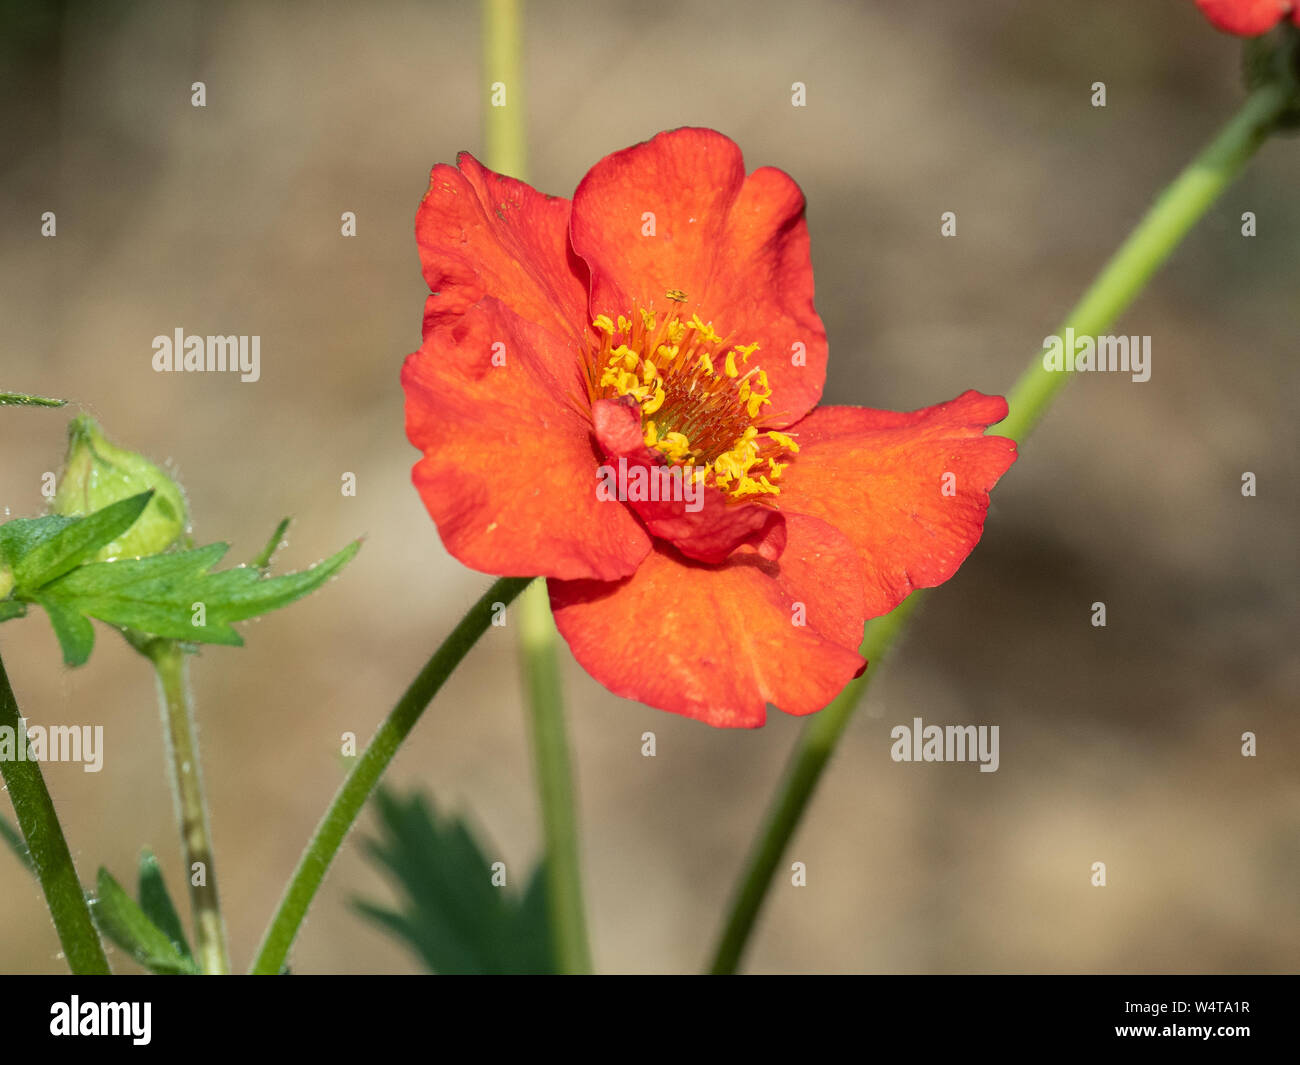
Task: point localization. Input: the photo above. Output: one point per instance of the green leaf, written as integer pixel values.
(17, 844)
(11, 608)
(157, 903)
(162, 594)
(75, 634)
(40, 550)
(23, 399)
(126, 924)
(451, 915)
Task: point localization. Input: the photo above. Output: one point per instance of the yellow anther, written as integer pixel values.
(647, 318)
(657, 401)
(706, 364)
(730, 369)
(624, 324)
(783, 440)
(756, 404)
(705, 330)
(652, 435)
(604, 324)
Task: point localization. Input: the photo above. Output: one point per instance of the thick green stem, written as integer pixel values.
(505, 139)
(551, 753)
(191, 808)
(1123, 277)
(48, 849)
(361, 781)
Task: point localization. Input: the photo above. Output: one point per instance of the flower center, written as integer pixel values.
(699, 400)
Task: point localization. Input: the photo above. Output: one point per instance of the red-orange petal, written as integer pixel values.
(1247, 18)
(483, 234)
(509, 467)
(736, 247)
(882, 478)
(718, 643)
(698, 520)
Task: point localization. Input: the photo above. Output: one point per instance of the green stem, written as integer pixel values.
(506, 153)
(191, 808)
(815, 746)
(1123, 277)
(361, 781)
(48, 849)
(504, 135)
(551, 752)
(1144, 251)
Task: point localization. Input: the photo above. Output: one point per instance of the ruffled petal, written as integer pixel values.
(1247, 18)
(483, 234)
(736, 248)
(697, 519)
(509, 467)
(717, 643)
(909, 490)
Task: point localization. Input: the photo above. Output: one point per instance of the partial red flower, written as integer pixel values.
(618, 393)
(1249, 18)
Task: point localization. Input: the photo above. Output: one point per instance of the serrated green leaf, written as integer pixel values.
(451, 915)
(161, 594)
(157, 903)
(119, 917)
(17, 844)
(40, 550)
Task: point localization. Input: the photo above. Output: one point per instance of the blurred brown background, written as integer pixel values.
(1119, 744)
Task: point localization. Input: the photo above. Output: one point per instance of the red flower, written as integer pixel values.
(1248, 18)
(660, 330)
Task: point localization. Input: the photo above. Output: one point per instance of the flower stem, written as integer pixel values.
(503, 119)
(551, 752)
(506, 153)
(813, 750)
(1123, 277)
(191, 809)
(1144, 251)
(48, 849)
(361, 781)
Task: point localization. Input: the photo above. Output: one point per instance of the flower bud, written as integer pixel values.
(98, 473)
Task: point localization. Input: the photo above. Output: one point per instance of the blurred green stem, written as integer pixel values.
(361, 781)
(191, 808)
(537, 637)
(505, 139)
(1123, 277)
(504, 135)
(48, 848)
